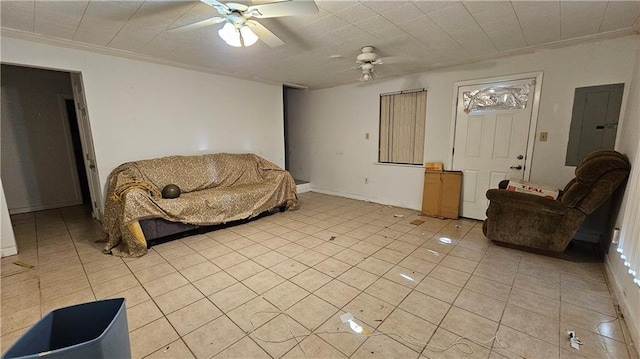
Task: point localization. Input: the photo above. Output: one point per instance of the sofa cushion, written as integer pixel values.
(195, 173)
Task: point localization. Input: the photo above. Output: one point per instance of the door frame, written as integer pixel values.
(534, 112)
(285, 123)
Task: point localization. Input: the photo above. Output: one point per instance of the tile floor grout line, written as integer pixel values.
(265, 323)
(75, 247)
(504, 310)
(372, 214)
(396, 306)
(180, 337)
(224, 313)
(35, 217)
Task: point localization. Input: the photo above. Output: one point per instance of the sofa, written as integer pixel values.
(215, 189)
(529, 221)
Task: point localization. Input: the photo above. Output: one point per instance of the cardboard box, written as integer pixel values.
(533, 188)
(434, 166)
(441, 194)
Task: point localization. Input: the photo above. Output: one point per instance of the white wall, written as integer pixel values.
(627, 292)
(7, 238)
(143, 110)
(328, 126)
(38, 165)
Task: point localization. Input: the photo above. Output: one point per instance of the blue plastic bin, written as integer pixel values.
(89, 330)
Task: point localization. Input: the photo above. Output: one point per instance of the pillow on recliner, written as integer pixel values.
(532, 188)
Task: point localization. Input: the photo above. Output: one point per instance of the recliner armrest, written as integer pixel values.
(526, 201)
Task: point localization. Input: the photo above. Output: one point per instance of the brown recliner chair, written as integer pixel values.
(528, 220)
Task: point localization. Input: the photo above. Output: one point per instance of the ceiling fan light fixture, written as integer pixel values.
(367, 71)
(230, 35)
(237, 35)
(248, 36)
(366, 76)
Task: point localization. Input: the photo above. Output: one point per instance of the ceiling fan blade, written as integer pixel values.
(393, 60)
(199, 24)
(220, 7)
(264, 34)
(283, 8)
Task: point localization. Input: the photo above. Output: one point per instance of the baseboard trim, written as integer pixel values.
(44, 207)
(414, 206)
(9, 251)
(632, 323)
(303, 187)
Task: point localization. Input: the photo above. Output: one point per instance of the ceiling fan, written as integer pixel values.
(367, 60)
(239, 31)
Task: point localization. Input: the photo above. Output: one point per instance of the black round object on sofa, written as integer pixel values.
(171, 191)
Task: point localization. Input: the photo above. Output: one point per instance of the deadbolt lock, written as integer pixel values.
(520, 157)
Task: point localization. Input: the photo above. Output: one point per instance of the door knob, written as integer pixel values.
(518, 167)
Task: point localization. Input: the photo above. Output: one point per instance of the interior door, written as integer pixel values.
(87, 143)
(489, 146)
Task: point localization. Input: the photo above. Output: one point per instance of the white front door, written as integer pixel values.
(489, 146)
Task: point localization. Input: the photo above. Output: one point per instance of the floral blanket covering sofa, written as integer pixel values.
(215, 189)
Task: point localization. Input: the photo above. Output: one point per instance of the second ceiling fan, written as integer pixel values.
(367, 60)
(239, 30)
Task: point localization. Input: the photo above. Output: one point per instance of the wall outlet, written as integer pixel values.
(616, 236)
(543, 136)
(366, 136)
(366, 180)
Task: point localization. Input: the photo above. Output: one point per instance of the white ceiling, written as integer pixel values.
(414, 35)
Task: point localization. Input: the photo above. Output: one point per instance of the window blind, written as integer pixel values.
(402, 126)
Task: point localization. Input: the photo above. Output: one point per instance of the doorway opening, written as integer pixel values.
(46, 141)
(289, 105)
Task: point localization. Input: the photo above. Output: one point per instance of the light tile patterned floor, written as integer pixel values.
(427, 284)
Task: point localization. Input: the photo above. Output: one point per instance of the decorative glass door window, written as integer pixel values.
(496, 98)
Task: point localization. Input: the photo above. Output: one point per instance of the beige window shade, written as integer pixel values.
(402, 126)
